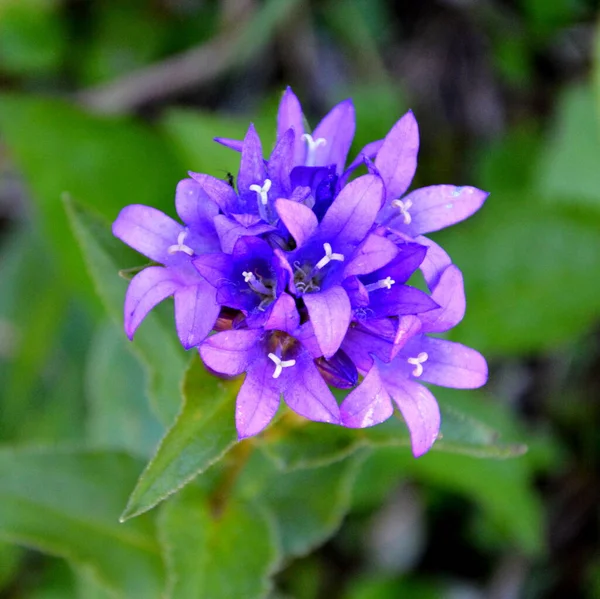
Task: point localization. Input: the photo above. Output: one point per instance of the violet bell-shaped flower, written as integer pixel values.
(415, 358)
(174, 246)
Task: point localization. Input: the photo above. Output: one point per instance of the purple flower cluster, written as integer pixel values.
(302, 271)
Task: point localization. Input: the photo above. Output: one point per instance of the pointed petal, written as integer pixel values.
(330, 313)
(194, 206)
(449, 364)
(439, 206)
(420, 411)
(284, 315)
(231, 352)
(252, 165)
(369, 404)
(339, 370)
(147, 289)
(257, 401)
(230, 231)
(290, 116)
(449, 294)
(196, 311)
(280, 165)
(147, 230)
(353, 212)
(396, 161)
(307, 393)
(358, 295)
(435, 262)
(219, 191)
(373, 253)
(232, 144)
(337, 128)
(399, 300)
(299, 220)
(408, 326)
(214, 267)
(368, 152)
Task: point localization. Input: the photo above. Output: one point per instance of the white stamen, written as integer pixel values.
(328, 257)
(262, 192)
(311, 149)
(180, 246)
(381, 284)
(280, 364)
(418, 363)
(404, 208)
(248, 276)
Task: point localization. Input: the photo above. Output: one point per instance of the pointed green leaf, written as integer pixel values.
(155, 344)
(67, 503)
(203, 432)
(224, 555)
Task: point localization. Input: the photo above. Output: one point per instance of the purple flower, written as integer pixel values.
(393, 367)
(276, 364)
(174, 246)
(423, 210)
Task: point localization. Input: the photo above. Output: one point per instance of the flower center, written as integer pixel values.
(381, 284)
(280, 365)
(267, 292)
(180, 246)
(404, 208)
(418, 363)
(311, 148)
(328, 257)
(262, 191)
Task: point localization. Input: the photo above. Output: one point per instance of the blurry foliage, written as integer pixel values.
(68, 375)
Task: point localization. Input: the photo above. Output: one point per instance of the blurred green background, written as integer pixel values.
(112, 101)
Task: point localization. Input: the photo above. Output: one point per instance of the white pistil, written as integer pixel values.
(381, 284)
(248, 276)
(280, 364)
(311, 148)
(180, 246)
(328, 257)
(262, 192)
(404, 208)
(418, 363)
(255, 284)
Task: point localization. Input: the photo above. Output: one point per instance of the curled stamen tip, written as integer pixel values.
(248, 276)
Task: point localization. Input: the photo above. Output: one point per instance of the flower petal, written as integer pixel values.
(252, 165)
(353, 211)
(435, 262)
(284, 315)
(330, 313)
(439, 206)
(289, 116)
(147, 230)
(369, 404)
(194, 206)
(368, 152)
(196, 311)
(299, 220)
(449, 293)
(396, 161)
(419, 409)
(280, 164)
(214, 267)
(337, 129)
(232, 144)
(449, 364)
(307, 393)
(230, 230)
(399, 300)
(147, 289)
(219, 191)
(257, 401)
(372, 254)
(231, 352)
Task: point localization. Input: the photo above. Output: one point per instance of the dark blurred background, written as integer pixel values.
(113, 100)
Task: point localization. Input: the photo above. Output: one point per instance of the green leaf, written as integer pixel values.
(531, 265)
(118, 413)
(10, 558)
(218, 555)
(104, 162)
(155, 345)
(67, 503)
(308, 505)
(568, 170)
(203, 432)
